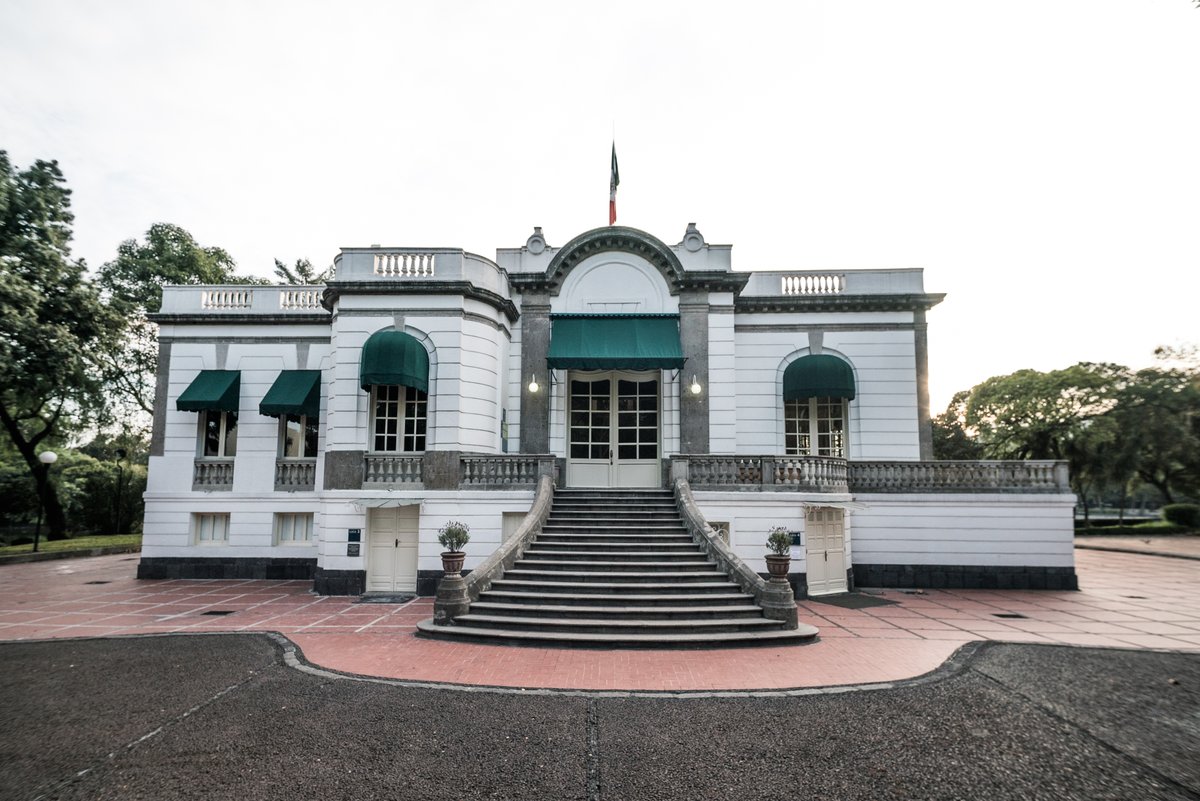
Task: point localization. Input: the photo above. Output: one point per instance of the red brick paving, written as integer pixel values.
(1126, 601)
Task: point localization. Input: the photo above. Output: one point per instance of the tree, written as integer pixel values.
(950, 437)
(303, 273)
(1054, 415)
(1158, 413)
(133, 284)
(51, 320)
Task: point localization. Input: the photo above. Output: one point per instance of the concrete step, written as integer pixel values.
(665, 588)
(540, 553)
(618, 567)
(613, 626)
(617, 577)
(622, 640)
(521, 596)
(598, 611)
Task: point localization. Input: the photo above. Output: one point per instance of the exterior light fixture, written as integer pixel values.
(47, 458)
(695, 387)
(533, 384)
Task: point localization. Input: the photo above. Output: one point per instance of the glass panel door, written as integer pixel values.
(593, 430)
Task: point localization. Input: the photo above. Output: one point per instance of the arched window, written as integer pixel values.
(395, 370)
(816, 392)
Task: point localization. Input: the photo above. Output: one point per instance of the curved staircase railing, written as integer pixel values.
(775, 597)
(455, 593)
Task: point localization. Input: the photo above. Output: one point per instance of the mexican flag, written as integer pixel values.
(613, 182)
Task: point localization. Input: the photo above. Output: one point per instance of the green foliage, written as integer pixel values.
(74, 544)
(779, 541)
(303, 273)
(52, 322)
(1117, 428)
(1182, 514)
(133, 283)
(454, 535)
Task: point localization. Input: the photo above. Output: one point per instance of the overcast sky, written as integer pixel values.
(1040, 160)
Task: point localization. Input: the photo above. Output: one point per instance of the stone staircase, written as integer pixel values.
(617, 568)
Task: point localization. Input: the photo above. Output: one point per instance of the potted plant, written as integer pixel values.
(779, 560)
(453, 536)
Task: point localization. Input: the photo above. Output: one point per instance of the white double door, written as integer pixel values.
(825, 534)
(614, 429)
(392, 558)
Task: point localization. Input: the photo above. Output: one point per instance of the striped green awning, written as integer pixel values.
(818, 376)
(394, 357)
(615, 342)
(217, 390)
(294, 392)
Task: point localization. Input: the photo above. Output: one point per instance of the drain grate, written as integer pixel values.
(97, 582)
(1016, 615)
(218, 612)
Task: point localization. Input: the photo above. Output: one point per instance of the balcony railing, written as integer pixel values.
(241, 300)
(212, 474)
(388, 469)
(798, 473)
(821, 474)
(500, 471)
(960, 476)
(436, 470)
(295, 475)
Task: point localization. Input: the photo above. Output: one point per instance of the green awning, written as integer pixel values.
(820, 376)
(294, 392)
(615, 341)
(212, 389)
(394, 357)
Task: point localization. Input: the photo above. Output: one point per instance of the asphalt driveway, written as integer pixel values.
(222, 716)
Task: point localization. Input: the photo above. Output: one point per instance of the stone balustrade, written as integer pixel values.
(741, 472)
(812, 284)
(295, 475)
(212, 474)
(406, 264)
(241, 299)
(960, 476)
(393, 469)
(500, 471)
(454, 470)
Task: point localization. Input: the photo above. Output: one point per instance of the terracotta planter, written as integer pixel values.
(778, 565)
(452, 562)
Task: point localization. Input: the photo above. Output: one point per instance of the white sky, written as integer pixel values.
(1041, 160)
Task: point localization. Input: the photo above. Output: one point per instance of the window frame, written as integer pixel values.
(412, 406)
(812, 421)
(224, 431)
(198, 519)
(305, 422)
(277, 528)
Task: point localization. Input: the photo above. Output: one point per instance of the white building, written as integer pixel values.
(328, 432)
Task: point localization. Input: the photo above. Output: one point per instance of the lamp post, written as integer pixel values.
(120, 481)
(47, 458)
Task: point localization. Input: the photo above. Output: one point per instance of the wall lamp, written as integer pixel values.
(695, 387)
(534, 386)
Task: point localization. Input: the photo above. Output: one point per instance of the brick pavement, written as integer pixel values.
(1125, 601)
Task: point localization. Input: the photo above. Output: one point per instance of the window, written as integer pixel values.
(293, 528)
(815, 427)
(219, 433)
(399, 415)
(211, 529)
(298, 436)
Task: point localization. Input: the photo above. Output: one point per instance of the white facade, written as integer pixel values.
(709, 406)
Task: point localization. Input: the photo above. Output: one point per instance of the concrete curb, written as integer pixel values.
(1115, 549)
(41, 556)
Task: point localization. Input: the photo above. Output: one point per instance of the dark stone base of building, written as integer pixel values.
(966, 577)
(188, 567)
(339, 582)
